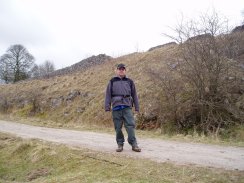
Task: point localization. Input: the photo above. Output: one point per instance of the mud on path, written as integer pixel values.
(230, 158)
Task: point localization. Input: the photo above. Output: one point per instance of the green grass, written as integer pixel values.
(37, 161)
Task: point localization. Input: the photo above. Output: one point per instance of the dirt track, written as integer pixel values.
(231, 158)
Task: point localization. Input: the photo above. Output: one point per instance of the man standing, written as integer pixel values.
(121, 94)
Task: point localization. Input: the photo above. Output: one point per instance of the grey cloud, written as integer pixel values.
(21, 28)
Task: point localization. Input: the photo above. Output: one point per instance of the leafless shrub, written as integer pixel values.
(35, 102)
(4, 104)
(208, 68)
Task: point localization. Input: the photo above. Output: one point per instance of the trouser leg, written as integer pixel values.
(129, 125)
(118, 123)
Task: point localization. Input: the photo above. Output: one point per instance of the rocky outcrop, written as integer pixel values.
(161, 46)
(238, 28)
(82, 65)
(200, 37)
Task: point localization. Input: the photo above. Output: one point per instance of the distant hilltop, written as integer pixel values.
(238, 28)
(161, 46)
(82, 65)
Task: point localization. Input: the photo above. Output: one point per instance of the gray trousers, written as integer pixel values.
(120, 117)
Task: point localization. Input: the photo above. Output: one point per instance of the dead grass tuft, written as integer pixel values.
(34, 174)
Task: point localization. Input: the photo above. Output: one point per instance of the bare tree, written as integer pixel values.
(35, 71)
(43, 70)
(207, 53)
(17, 63)
(46, 68)
(5, 71)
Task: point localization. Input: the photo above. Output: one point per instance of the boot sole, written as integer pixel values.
(136, 150)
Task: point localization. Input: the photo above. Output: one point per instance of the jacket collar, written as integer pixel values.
(117, 77)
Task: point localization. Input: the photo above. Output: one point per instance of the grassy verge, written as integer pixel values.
(36, 161)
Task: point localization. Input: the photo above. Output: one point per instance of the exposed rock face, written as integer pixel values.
(161, 46)
(238, 28)
(72, 95)
(200, 37)
(82, 65)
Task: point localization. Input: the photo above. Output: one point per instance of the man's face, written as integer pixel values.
(120, 72)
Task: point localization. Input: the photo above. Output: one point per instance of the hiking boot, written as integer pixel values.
(136, 148)
(119, 149)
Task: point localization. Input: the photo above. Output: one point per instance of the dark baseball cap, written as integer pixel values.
(121, 66)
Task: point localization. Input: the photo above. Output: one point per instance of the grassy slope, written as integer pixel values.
(22, 160)
(36, 161)
(91, 84)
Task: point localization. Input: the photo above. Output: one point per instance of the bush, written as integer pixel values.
(201, 92)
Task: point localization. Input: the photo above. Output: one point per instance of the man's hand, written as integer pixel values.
(137, 112)
(136, 115)
(107, 115)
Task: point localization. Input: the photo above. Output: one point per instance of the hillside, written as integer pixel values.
(78, 97)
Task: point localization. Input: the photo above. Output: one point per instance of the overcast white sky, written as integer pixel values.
(67, 31)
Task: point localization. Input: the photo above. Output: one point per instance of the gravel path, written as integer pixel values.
(231, 158)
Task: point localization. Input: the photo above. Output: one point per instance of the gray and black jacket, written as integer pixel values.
(121, 91)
